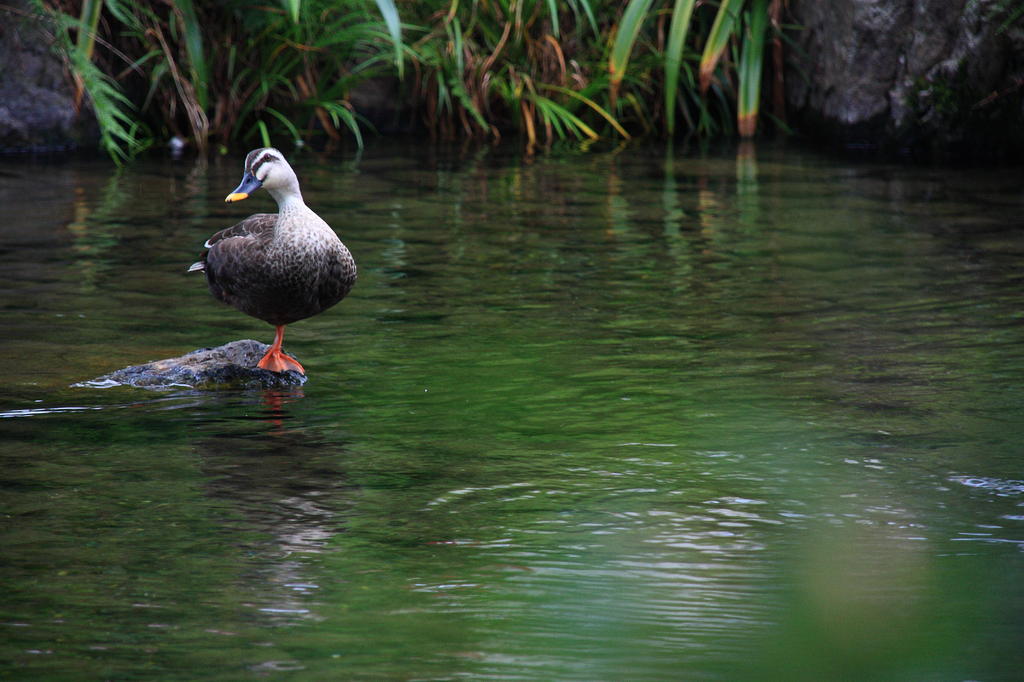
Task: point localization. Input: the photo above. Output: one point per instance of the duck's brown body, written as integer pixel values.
(278, 267)
(279, 279)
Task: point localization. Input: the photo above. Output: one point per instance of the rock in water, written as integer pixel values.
(232, 365)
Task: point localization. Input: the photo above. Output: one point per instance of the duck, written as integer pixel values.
(277, 267)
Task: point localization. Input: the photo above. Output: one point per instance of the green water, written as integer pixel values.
(589, 416)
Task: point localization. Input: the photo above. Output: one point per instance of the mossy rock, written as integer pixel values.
(232, 365)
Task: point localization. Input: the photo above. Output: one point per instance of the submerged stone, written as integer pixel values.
(232, 365)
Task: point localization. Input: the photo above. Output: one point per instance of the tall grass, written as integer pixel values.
(237, 72)
(751, 66)
(484, 69)
(682, 11)
(115, 114)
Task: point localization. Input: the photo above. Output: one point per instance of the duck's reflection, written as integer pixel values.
(275, 410)
(285, 497)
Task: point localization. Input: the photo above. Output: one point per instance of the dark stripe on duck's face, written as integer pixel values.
(257, 158)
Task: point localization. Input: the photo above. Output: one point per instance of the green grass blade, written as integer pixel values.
(119, 12)
(119, 130)
(89, 20)
(1012, 14)
(590, 103)
(553, 11)
(750, 68)
(117, 127)
(194, 47)
(718, 40)
(629, 28)
(264, 133)
(458, 89)
(339, 112)
(390, 13)
(561, 117)
(589, 11)
(285, 122)
(454, 29)
(553, 122)
(293, 8)
(681, 13)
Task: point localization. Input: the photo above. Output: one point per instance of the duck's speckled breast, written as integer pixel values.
(300, 271)
(309, 270)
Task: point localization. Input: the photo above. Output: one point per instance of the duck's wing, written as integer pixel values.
(258, 226)
(255, 230)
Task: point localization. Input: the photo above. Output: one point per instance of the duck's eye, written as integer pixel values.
(262, 166)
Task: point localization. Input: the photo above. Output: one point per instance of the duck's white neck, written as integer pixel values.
(289, 200)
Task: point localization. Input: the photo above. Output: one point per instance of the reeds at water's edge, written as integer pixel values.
(239, 73)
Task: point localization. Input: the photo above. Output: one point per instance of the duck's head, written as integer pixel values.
(265, 168)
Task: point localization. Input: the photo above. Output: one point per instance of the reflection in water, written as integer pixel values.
(618, 415)
(285, 497)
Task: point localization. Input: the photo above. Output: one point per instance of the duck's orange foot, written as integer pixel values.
(276, 361)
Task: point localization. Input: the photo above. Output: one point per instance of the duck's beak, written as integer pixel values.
(249, 185)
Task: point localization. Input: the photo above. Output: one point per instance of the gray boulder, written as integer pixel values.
(37, 109)
(919, 75)
(232, 365)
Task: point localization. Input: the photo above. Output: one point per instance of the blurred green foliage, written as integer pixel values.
(228, 73)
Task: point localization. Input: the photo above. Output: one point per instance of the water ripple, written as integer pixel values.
(999, 486)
